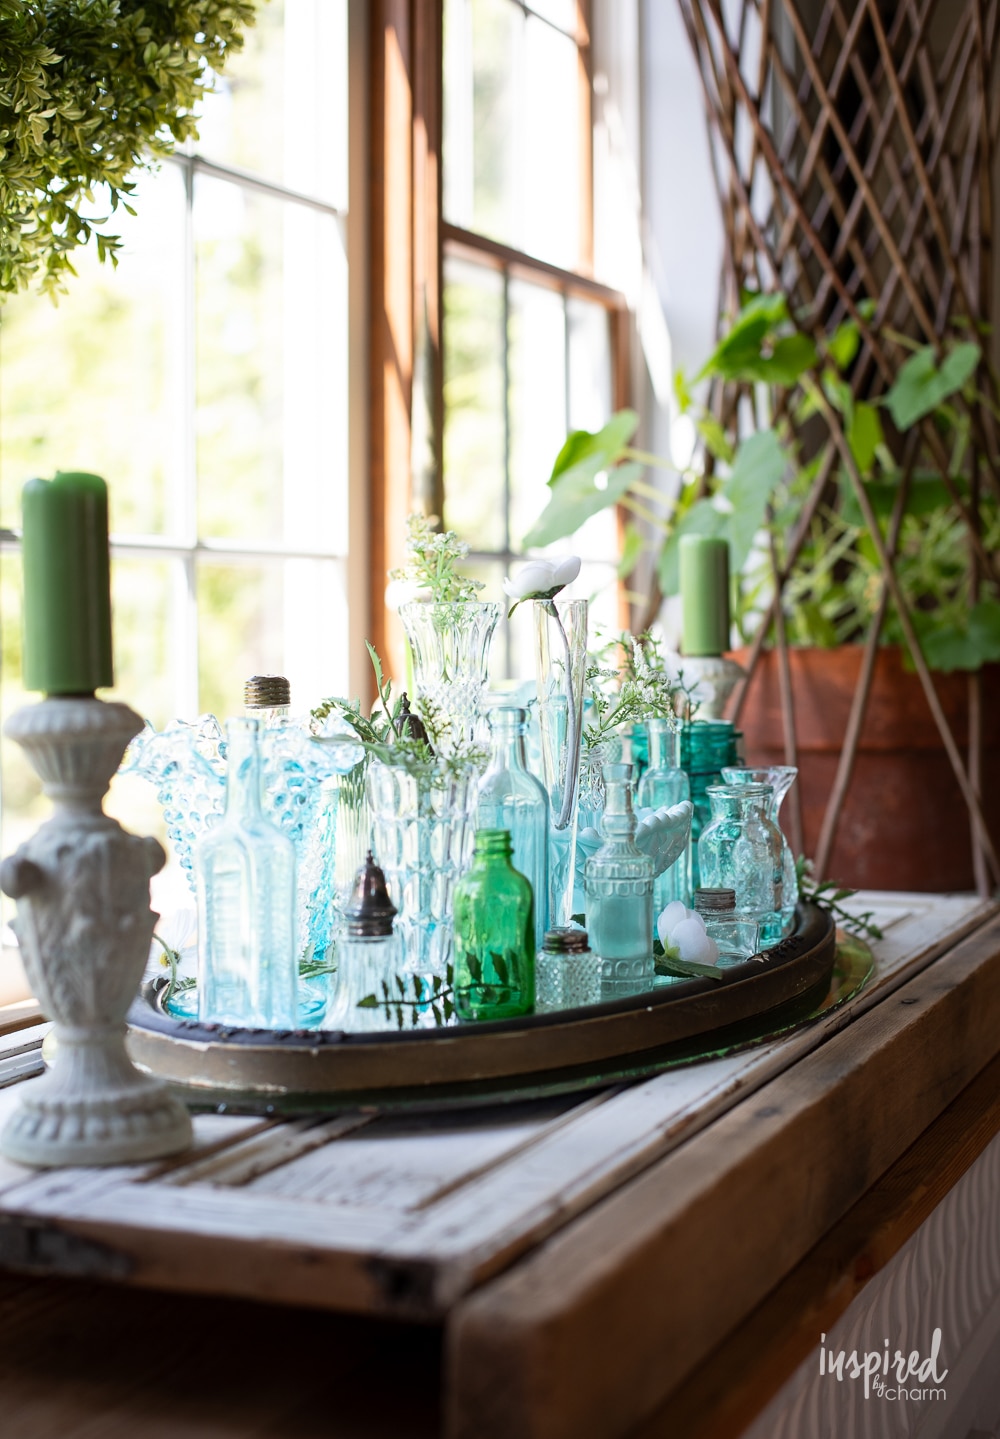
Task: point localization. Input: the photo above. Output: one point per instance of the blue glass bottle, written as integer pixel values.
(665, 783)
(245, 872)
(618, 884)
(511, 798)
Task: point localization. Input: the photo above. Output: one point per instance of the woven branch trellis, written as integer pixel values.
(852, 142)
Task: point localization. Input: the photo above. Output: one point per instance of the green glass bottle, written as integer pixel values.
(494, 934)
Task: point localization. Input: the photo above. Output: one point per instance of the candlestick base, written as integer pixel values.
(85, 926)
(719, 674)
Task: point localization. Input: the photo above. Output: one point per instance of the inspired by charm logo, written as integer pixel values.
(904, 1376)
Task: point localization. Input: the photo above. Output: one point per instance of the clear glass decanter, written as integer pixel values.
(368, 954)
(736, 935)
(511, 798)
(245, 873)
(665, 783)
(494, 934)
(618, 884)
(741, 849)
(780, 777)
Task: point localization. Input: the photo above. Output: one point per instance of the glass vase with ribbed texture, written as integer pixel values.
(618, 886)
(245, 873)
(665, 783)
(560, 669)
(494, 934)
(512, 799)
(450, 643)
(741, 849)
(423, 822)
(780, 778)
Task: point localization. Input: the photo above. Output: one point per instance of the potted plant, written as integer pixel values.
(808, 571)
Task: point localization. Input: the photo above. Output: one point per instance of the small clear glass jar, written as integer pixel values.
(567, 972)
(741, 849)
(736, 935)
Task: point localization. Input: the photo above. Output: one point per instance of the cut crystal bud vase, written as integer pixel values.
(741, 849)
(560, 666)
(423, 823)
(780, 778)
(450, 643)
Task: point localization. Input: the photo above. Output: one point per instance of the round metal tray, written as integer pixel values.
(678, 1021)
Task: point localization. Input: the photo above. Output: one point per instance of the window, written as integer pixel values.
(529, 337)
(207, 380)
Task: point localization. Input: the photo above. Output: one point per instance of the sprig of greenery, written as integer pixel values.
(431, 560)
(827, 894)
(643, 692)
(91, 91)
(411, 994)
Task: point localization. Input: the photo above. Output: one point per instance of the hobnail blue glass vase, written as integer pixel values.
(512, 799)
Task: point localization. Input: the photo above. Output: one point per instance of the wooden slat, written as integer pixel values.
(591, 1332)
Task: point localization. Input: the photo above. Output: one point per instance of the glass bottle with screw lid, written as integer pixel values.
(736, 935)
(618, 884)
(567, 972)
(245, 872)
(368, 954)
(511, 798)
(267, 698)
(494, 960)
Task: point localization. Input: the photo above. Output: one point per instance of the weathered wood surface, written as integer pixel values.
(589, 1333)
(402, 1213)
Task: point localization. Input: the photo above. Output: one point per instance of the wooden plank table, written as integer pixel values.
(582, 1256)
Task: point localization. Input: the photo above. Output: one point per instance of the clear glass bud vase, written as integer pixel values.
(422, 830)
(741, 849)
(780, 778)
(560, 667)
(450, 643)
(245, 873)
(512, 799)
(665, 783)
(618, 882)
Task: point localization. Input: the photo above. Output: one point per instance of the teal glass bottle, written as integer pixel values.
(706, 746)
(741, 849)
(511, 798)
(245, 872)
(618, 884)
(494, 963)
(665, 783)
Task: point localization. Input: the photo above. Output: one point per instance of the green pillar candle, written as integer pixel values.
(704, 577)
(67, 585)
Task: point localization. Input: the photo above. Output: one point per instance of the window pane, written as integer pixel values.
(511, 137)
(537, 397)
(97, 382)
(271, 365)
(271, 617)
(590, 389)
(474, 462)
(279, 108)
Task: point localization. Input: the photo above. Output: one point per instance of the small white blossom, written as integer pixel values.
(541, 579)
(682, 934)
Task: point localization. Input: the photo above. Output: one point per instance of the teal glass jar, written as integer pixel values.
(707, 746)
(741, 849)
(494, 963)
(618, 885)
(665, 783)
(511, 798)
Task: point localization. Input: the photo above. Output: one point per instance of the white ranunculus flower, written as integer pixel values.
(541, 579)
(682, 933)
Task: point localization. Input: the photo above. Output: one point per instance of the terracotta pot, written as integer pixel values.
(904, 824)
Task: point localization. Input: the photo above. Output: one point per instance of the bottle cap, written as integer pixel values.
(370, 913)
(264, 692)
(566, 939)
(714, 901)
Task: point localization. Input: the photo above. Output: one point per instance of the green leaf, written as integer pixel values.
(681, 391)
(864, 435)
(928, 493)
(843, 344)
(598, 449)
(500, 967)
(716, 440)
(949, 647)
(921, 386)
(369, 1002)
(574, 497)
(740, 347)
(789, 359)
(760, 464)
